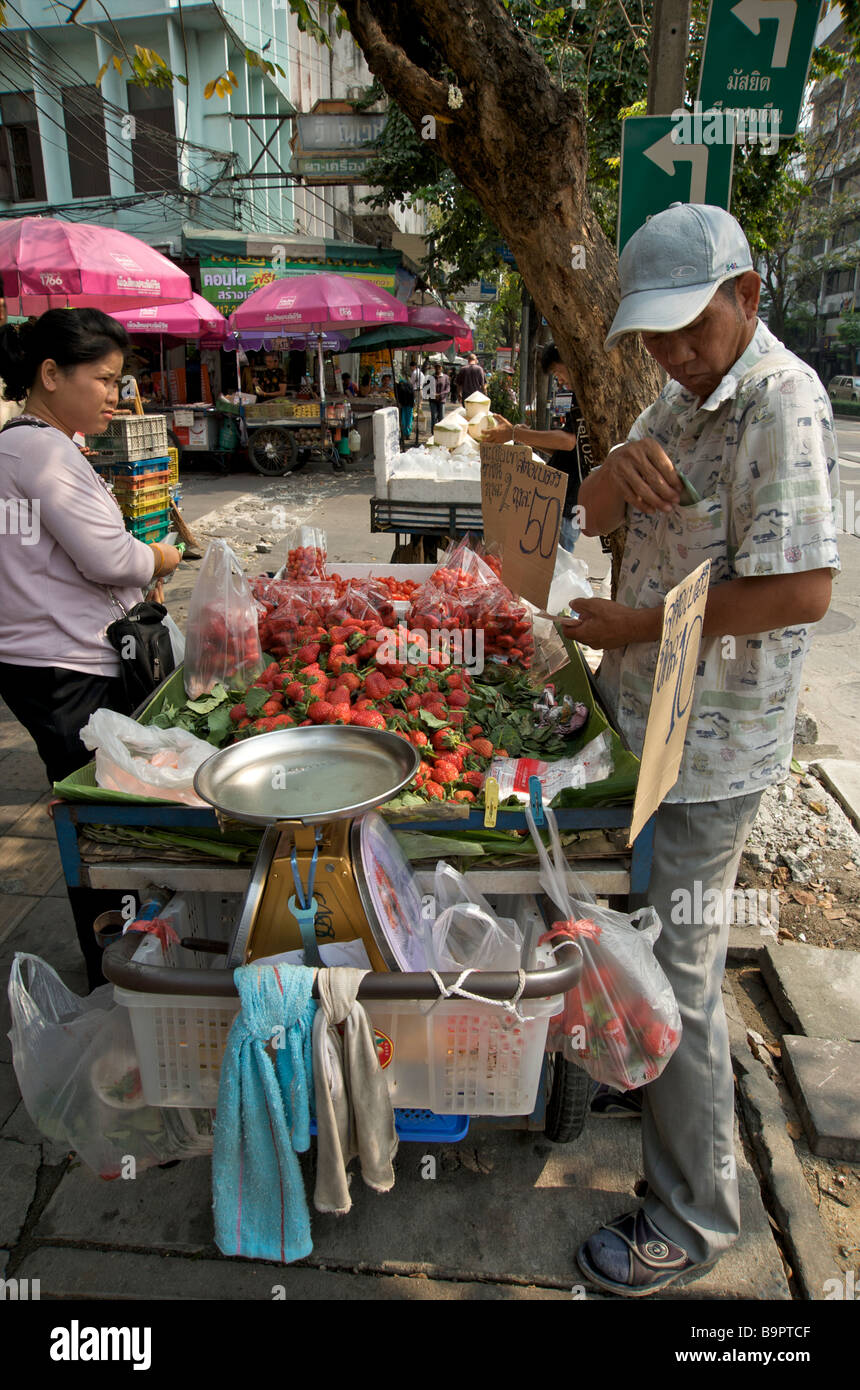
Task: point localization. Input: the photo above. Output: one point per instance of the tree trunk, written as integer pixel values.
(518, 143)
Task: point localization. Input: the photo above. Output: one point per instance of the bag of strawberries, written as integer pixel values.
(621, 1022)
(222, 637)
(306, 554)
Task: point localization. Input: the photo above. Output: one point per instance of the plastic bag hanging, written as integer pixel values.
(620, 1022)
(222, 642)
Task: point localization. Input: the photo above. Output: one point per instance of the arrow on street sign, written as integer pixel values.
(756, 57)
(666, 153)
(656, 170)
(752, 12)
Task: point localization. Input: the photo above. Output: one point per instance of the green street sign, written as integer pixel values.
(657, 169)
(756, 57)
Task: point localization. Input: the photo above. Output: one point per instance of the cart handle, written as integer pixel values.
(141, 978)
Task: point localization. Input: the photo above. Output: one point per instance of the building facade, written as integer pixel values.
(82, 139)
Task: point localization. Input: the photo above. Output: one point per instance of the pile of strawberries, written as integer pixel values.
(335, 679)
(473, 597)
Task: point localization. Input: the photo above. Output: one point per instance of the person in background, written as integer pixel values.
(472, 378)
(69, 552)
(430, 395)
(405, 398)
(348, 385)
(386, 386)
(569, 448)
(365, 389)
(440, 391)
(270, 381)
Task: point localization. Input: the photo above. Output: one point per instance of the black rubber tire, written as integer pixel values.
(568, 1096)
(282, 461)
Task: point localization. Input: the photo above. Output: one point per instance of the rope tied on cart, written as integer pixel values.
(457, 991)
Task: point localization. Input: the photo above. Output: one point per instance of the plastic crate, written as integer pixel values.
(423, 1127)
(131, 437)
(460, 1059)
(154, 526)
(173, 470)
(143, 504)
(112, 470)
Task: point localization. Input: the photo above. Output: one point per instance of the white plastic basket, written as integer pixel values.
(460, 1058)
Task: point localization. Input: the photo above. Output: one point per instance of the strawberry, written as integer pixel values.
(340, 714)
(434, 791)
(320, 711)
(308, 653)
(463, 795)
(364, 704)
(238, 713)
(476, 731)
(282, 721)
(294, 690)
(455, 718)
(350, 680)
(445, 771)
(419, 738)
(412, 702)
(339, 696)
(473, 779)
(444, 739)
(458, 699)
(314, 669)
(368, 649)
(368, 719)
(273, 706)
(244, 723)
(318, 691)
(397, 684)
(483, 747)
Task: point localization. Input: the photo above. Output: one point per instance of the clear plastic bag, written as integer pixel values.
(222, 642)
(78, 1072)
(620, 1022)
(569, 582)
(466, 932)
(141, 760)
(306, 554)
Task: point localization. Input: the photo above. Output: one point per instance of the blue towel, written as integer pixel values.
(263, 1118)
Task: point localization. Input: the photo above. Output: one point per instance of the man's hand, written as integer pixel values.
(501, 434)
(605, 625)
(645, 476)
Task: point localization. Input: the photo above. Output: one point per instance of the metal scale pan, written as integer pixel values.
(296, 780)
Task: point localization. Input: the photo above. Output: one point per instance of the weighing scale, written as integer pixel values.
(328, 868)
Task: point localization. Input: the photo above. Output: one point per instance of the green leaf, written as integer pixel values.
(255, 698)
(219, 724)
(431, 720)
(208, 702)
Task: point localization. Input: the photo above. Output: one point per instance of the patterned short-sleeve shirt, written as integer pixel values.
(761, 452)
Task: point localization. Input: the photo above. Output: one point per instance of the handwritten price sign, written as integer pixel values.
(672, 695)
(521, 501)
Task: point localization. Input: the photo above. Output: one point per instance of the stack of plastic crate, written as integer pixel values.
(133, 457)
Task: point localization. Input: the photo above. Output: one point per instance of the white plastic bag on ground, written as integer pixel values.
(78, 1072)
(144, 761)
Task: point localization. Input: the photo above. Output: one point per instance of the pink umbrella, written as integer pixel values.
(49, 264)
(466, 344)
(317, 302)
(195, 318)
(432, 316)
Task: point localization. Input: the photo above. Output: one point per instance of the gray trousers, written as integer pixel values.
(688, 1112)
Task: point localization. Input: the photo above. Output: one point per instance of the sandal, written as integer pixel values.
(649, 1262)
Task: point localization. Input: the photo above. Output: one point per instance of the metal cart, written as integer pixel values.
(273, 445)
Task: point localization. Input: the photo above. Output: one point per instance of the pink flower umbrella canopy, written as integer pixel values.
(48, 264)
(433, 316)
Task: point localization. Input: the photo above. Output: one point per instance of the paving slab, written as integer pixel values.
(842, 777)
(503, 1207)
(10, 1096)
(162, 1208)
(19, 1165)
(13, 908)
(69, 1273)
(28, 865)
(824, 1078)
(817, 991)
(35, 821)
(20, 1128)
(23, 770)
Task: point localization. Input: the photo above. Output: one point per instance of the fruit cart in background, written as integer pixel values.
(205, 433)
(284, 435)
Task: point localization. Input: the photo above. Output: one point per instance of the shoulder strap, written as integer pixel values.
(25, 420)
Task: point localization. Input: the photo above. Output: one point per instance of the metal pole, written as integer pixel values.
(670, 37)
(524, 352)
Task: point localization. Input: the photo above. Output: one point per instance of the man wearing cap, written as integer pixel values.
(735, 462)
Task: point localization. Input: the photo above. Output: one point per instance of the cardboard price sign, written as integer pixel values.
(672, 694)
(521, 502)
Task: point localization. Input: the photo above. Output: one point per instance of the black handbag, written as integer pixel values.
(145, 650)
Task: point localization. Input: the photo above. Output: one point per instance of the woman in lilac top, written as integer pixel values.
(63, 546)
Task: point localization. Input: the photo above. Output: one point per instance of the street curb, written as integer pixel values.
(806, 1240)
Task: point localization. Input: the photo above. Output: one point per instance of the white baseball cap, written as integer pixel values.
(672, 267)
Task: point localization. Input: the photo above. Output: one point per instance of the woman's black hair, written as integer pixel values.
(549, 357)
(70, 337)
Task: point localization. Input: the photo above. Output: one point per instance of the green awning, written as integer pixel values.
(399, 335)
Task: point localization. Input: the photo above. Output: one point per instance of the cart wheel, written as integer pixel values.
(273, 452)
(568, 1094)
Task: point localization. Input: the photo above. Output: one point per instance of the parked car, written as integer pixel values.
(844, 388)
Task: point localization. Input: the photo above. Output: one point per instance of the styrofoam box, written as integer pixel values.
(444, 490)
(460, 1058)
